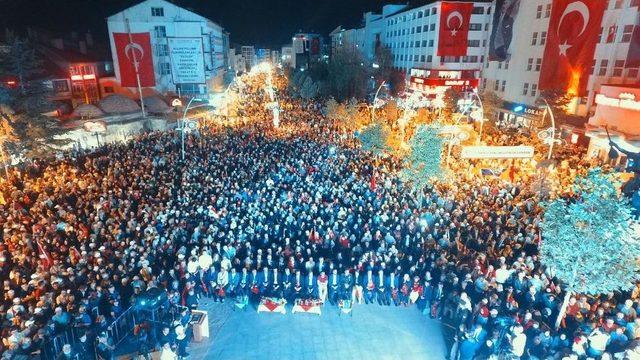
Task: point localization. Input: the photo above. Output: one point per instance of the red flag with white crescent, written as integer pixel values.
(44, 256)
(132, 51)
(454, 28)
(571, 42)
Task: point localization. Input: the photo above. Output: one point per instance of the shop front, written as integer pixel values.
(617, 117)
(519, 116)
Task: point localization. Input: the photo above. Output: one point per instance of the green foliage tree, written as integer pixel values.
(423, 164)
(374, 138)
(33, 134)
(347, 75)
(589, 242)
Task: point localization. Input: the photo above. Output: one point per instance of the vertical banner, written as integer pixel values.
(633, 57)
(315, 46)
(504, 17)
(187, 60)
(571, 42)
(454, 29)
(130, 51)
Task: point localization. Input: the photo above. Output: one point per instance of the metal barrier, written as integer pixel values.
(51, 348)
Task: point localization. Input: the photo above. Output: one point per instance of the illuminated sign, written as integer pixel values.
(445, 82)
(497, 152)
(81, 77)
(624, 101)
(187, 60)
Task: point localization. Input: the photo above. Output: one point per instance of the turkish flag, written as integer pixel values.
(571, 42)
(131, 51)
(454, 28)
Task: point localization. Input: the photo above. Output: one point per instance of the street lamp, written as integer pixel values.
(181, 126)
(548, 136)
(375, 100)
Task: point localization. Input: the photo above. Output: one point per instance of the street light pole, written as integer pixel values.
(375, 99)
(4, 159)
(552, 140)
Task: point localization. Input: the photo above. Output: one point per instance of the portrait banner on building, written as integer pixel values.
(453, 33)
(571, 42)
(187, 60)
(134, 50)
(504, 17)
(633, 57)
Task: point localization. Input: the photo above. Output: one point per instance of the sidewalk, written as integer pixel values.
(373, 332)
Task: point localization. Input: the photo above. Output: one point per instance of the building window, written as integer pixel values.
(504, 85)
(417, 43)
(475, 27)
(633, 3)
(422, 58)
(496, 86)
(473, 43)
(418, 29)
(618, 4)
(425, 28)
(165, 69)
(157, 11)
(424, 43)
(632, 73)
(525, 89)
(419, 14)
(506, 65)
(60, 86)
(434, 11)
(547, 11)
(415, 57)
(162, 49)
(413, 30)
(108, 89)
(618, 68)
(432, 27)
(429, 58)
(603, 67)
(534, 89)
(543, 38)
(500, 65)
(160, 31)
(430, 43)
(627, 33)
(534, 39)
(530, 64)
(539, 12)
(538, 64)
(478, 10)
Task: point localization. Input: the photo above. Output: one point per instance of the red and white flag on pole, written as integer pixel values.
(571, 42)
(453, 34)
(44, 256)
(131, 51)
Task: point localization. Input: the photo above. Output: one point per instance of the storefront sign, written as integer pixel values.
(445, 82)
(187, 60)
(624, 101)
(497, 152)
(522, 109)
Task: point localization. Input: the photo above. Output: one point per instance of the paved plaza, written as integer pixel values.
(373, 332)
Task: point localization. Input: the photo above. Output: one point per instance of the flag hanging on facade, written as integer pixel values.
(571, 42)
(454, 29)
(504, 17)
(131, 51)
(633, 57)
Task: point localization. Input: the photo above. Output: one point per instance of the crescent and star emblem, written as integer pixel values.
(130, 50)
(583, 10)
(452, 15)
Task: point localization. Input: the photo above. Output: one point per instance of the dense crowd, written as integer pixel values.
(296, 212)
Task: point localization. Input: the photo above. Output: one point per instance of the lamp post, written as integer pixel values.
(551, 132)
(375, 100)
(181, 126)
(4, 158)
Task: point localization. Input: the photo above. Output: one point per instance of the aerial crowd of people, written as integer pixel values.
(295, 212)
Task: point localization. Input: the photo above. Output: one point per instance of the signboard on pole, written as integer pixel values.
(187, 60)
(497, 152)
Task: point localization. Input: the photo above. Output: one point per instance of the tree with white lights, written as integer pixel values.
(590, 241)
(423, 164)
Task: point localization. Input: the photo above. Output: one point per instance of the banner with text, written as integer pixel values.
(502, 31)
(497, 152)
(187, 60)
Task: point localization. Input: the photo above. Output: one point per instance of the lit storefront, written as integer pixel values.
(519, 116)
(434, 82)
(618, 111)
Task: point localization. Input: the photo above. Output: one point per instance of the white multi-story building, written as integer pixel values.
(188, 50)
(287, 56)
(516, 79)
(346, 39)
(249, 55)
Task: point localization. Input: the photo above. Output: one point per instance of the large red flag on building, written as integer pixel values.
(571, 42)
(454, 28)
(131, 51)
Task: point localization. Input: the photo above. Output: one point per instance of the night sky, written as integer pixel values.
(265, 23)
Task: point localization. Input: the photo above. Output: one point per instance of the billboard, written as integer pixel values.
(504, 17)
(187, 60)
(497, 152)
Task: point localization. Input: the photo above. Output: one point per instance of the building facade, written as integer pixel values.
(176, 50)
(249, 56)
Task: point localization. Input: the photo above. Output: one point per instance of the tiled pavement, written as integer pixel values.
(373, 332)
